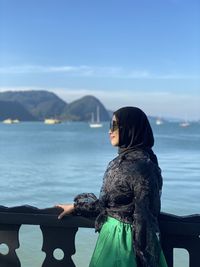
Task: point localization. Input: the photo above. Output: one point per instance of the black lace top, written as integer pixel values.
(130, 193)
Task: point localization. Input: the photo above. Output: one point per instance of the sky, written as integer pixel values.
(125, 52)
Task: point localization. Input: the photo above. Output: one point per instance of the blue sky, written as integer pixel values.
(125, 52)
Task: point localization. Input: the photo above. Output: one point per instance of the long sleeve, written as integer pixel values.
(86, 204)
(147, 203)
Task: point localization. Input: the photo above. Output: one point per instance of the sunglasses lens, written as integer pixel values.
(114, 126)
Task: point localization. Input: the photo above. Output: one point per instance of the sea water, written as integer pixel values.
(42, 165)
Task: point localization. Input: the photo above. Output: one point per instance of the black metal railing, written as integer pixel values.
(176, 232)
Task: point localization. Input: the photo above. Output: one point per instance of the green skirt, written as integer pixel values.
(114, 246)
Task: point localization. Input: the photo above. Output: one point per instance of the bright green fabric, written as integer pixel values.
(114, 246)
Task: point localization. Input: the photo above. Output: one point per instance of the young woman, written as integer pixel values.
(129, 202)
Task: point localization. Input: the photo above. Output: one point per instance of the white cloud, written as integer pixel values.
(93, 71)
(83, 70)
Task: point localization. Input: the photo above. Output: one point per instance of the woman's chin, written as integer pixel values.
(114, 143)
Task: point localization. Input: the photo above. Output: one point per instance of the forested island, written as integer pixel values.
(39, 105)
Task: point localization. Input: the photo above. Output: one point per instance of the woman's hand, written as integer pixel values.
(67, 209)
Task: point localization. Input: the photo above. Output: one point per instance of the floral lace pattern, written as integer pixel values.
(130, 193)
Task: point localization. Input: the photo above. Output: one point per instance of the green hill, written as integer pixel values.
(44, 104)
(41, 104)
(82, 109)
(14, 110)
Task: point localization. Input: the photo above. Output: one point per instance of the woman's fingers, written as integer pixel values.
(67, 209)
(61, 215)
(59, 206)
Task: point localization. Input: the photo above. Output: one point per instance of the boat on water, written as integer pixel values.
(159, 121)
(52, 121)
(184, 124)
(97, 123)
(16, 121)
(10, 121)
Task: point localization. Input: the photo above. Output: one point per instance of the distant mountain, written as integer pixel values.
(82, 109)
(110, 112)
(14, 110)
(41, 104)
(44, 104)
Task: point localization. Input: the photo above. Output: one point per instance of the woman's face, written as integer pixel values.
(114, 132)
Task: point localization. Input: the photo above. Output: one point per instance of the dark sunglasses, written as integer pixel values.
(114, 126)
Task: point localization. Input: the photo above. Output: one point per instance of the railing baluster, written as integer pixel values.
(195, 252)
(62, 238)
(9, 235)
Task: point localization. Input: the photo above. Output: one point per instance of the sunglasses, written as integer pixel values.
(114, 126)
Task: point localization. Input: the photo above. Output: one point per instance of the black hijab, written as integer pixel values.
(134, 131)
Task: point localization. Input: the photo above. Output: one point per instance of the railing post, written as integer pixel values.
(195, 252)
(167, 246)
(181, 233)
(58, 238)
(9, 235)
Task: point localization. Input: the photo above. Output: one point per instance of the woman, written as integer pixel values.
(129, 201)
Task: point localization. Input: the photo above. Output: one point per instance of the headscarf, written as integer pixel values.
(134, 131)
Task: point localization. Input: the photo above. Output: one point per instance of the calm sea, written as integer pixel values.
(42, 165)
